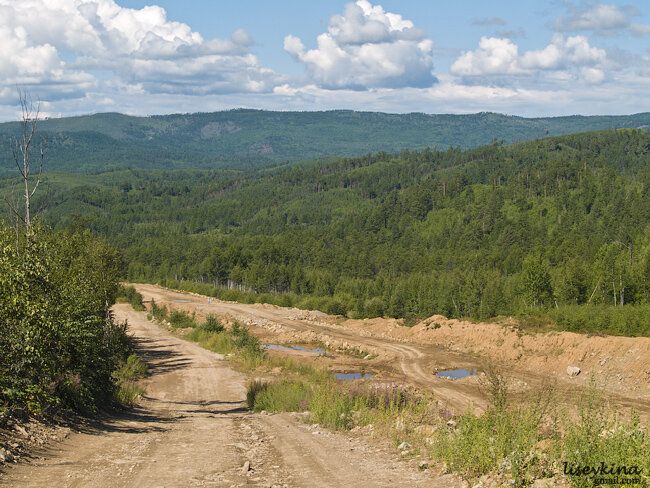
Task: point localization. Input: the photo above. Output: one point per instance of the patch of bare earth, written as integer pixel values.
(414, 355)
(192, 429)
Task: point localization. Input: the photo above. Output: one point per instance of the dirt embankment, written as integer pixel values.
(415, 354)
(621, 364)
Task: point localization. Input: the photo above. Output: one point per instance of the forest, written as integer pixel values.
(555, 228)
(246, 139)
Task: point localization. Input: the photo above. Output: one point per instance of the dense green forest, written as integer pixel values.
(244, 139)
(559, 226)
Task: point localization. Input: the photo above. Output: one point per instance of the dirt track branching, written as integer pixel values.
(512, 444)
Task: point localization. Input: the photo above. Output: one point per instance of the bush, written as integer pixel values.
(282, 396)
(128, 390)
(59, 344)
(212, 324)
(254, 388)
(128, 294)
(181, 320)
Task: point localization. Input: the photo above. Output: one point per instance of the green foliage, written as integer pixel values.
(126, 376)
(212, 324)
(254, 388)
(253, 138)
(128, 294)
(281, 396)
(536, 282)
(630, 321)
(496, 230)
(59, 344)
(180, 319)
(601, 435)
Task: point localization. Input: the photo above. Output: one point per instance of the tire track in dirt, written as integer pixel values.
(407, 362)
(193, 430)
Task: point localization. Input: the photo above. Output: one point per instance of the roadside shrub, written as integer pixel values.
(126, 376)
(282, 396)
(181, 320)
(212, 324)
(59, 343)
(158, 313)
(332, 406)
(600, 435)
(128, 294)
(254, 388)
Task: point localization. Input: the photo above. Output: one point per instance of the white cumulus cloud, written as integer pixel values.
(569, 56)
(367, 47)
(138, 47)
(602, 19)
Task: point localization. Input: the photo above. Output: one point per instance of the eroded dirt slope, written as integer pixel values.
(621, 365)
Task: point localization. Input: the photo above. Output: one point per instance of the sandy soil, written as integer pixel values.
(620, 365)
(192, 430)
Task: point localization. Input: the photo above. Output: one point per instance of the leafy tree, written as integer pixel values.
(536, 282)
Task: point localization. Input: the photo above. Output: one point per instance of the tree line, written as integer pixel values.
(533, 227)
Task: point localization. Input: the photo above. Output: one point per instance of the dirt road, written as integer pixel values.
(193, 429)
(409, 355)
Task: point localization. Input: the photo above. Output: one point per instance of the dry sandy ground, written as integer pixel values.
(193, 430)
(620, 365)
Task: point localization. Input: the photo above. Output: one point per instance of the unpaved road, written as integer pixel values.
(193, 429)
(403, 360)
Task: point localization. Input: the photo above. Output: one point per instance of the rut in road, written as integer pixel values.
(193, 429)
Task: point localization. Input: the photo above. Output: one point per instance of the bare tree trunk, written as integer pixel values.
(22, 152)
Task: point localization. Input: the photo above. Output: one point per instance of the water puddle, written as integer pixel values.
(293, 347)
(457, 374)
(182, 301)
(353, 376)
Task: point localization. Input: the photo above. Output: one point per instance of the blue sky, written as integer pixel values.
(524, 58)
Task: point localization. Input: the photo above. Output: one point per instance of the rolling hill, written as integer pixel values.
(246, 139)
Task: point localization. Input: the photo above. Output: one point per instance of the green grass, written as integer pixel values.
(281, 396)
(127, 376)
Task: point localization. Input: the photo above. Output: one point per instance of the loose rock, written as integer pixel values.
(573, 371)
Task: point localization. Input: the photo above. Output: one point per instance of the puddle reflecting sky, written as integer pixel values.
(456, 374)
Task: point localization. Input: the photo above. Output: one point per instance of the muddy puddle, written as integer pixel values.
(353, 376)
(182, 301)
(457, 374)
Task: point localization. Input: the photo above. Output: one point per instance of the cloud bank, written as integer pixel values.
(141, 49)
(81, 56)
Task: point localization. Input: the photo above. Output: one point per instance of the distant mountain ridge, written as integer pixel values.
(245, 138)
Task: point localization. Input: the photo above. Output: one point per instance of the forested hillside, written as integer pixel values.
(244, 139)
(544, 225)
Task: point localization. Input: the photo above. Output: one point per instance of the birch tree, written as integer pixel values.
(22, 148)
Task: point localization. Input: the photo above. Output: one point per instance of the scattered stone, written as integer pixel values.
(403, 446)
(246, 467)
(423, 465)
(21, 430)
(451, 423)
(573, 371)
(6, 456)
